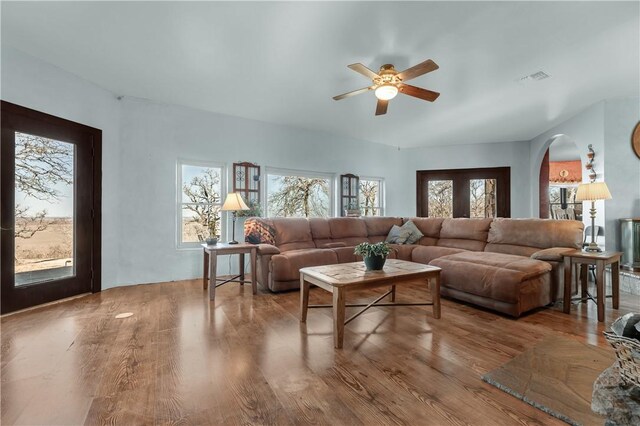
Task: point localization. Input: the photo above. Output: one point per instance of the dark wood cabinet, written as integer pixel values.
(349, 195)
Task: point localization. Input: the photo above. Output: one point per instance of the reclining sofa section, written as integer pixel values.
(508, 265)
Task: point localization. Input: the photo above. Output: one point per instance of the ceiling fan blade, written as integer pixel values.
(418, 92)
(381, 107)
(363, 70)
(353, 93)
(418, 70)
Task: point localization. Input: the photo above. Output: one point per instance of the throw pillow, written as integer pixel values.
(415, 233)
(259, 231)
(398, 235)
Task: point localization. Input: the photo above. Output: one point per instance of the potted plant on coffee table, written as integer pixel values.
(374, 254)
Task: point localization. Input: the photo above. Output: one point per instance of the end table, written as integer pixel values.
(600, 260)
(211, 254)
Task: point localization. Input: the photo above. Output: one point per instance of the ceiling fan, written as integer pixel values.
(388, 82)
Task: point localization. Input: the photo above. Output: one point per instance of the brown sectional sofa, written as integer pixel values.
(509, 265)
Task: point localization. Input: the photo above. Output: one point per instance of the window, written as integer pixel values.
(299, 194)
(199, 202)
(371, 196)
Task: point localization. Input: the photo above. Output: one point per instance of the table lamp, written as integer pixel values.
(233, 203)
(593, 191)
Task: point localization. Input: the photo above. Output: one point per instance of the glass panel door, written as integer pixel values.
(440, 198)
(44, 204)
(482, 198)
(50, 210)
(471, 193)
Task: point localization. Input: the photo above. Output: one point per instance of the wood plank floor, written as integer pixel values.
(246, 359)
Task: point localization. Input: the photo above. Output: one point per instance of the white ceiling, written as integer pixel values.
(282, 62)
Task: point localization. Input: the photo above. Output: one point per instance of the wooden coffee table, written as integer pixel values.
(337, 279)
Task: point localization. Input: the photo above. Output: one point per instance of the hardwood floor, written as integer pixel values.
(246, 359)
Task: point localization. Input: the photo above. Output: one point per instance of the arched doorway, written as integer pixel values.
(560, 174)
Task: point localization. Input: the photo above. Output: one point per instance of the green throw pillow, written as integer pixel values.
(415, 233)
(398, 235)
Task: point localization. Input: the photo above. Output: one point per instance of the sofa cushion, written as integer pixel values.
(415, 233)
(377, 238)
(425, 254)
(332, 245)
(463, 233)
(555, 254)
(397, 235)
(292, 230)
(403, 251)
(346, 254)
(493, 275)
(292, 233)
(511, 249)
(286, 266)
(541, 233)
(380, 226)
(347, 227)
(429, 226)
(320, 229)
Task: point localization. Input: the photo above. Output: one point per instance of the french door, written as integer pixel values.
(473, 193)
(50, 215)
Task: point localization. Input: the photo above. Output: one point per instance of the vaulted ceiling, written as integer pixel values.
(282, 62)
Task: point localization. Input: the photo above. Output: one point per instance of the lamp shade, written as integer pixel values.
(234, 202)
(593, 191)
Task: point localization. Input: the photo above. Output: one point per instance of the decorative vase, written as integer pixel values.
(211, 241)
(374, 263)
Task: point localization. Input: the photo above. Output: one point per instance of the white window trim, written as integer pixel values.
(178, 208)
(302, 173)
(382, 195)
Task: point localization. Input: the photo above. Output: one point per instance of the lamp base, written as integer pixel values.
(232, 242)
(593, 247)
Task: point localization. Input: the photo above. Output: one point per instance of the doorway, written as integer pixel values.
(472, 193)
(50, 171)
(560, 175)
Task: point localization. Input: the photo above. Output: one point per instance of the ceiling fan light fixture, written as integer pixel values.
(386, 92)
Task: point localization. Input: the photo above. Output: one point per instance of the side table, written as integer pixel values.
(211, 254)
(600, 260)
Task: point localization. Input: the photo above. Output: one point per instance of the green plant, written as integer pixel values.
(255, 210)
(381, 249)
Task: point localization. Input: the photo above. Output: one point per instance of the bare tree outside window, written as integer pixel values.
(482, 193)
(201, 203)
(440, 201)
(44, 204)
(298, 196)
(370, 197)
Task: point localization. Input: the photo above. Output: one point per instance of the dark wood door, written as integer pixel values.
(50, 216)
(475, 193)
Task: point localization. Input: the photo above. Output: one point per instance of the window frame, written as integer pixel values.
(300, 173)
(181, 245)
(383, 202)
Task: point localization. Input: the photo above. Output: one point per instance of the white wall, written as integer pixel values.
(583, 129)
(154, 136)
(35, 84)
(621, 164)
(606, 125)
(511, 154)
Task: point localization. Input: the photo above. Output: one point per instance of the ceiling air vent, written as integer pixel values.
(536, 76)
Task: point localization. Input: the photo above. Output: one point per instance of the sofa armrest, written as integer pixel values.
(267, 249)
(555, 254)
(332, 245)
